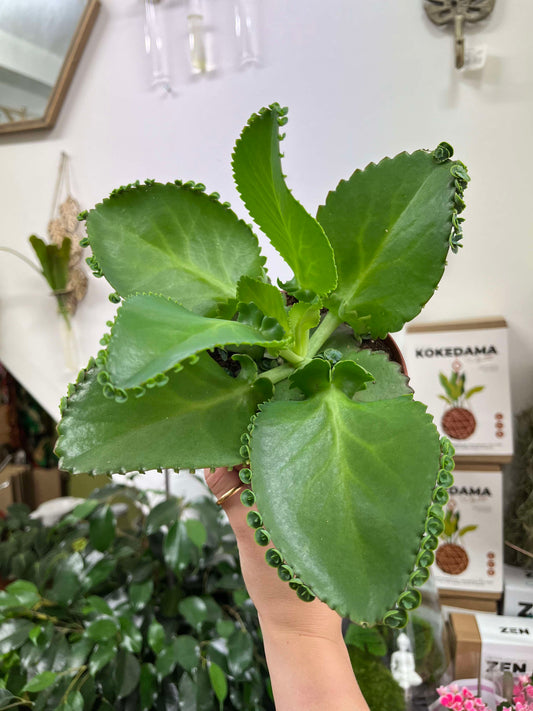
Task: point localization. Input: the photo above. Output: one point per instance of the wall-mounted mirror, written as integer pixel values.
(41, 42)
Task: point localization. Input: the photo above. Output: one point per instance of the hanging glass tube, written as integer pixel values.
(156, 46)
(246, 31)
(200, 38)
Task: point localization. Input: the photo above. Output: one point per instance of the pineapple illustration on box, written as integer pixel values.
(451, 557)
(458, 420)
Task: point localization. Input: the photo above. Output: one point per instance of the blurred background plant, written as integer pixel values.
(519, 499)
(147, 615)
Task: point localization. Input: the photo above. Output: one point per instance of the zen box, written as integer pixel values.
(461, 372)
(484, 646)
(518, 592)
(469, 557)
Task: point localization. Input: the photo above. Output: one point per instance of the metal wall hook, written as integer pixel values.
(444, 12)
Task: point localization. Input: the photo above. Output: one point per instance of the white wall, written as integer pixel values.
(362, 80)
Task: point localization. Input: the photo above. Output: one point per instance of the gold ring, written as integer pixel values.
(226, 496)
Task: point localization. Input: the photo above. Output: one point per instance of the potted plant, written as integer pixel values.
(209, 364)
(134, 617)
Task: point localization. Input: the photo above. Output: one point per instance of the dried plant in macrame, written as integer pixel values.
(67, 225)
(60, 259)
(519, 508)
(347, 470)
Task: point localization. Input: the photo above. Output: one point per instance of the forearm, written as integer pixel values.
(310, 673)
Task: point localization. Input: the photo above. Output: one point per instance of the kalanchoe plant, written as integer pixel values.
(209, 364)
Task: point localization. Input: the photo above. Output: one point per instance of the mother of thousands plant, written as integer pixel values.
(209, 364)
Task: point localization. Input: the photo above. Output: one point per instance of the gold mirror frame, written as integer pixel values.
(72, 58)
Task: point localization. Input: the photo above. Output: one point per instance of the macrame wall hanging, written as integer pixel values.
(64, 223)
(60, 260)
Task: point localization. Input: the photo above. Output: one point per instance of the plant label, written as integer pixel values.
(462, 373)
(470, 552)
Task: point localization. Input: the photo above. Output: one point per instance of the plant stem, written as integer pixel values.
(291, 357)
(279, 373)
(21, 256)
(330, 322)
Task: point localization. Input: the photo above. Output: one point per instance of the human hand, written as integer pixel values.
(306, 655)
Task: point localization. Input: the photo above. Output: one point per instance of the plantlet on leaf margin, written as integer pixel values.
(209, 364)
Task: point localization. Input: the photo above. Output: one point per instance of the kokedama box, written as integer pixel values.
(518, 594)
(485, 646)
(461, 371)
(469, 557)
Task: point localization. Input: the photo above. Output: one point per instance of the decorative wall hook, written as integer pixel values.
(444, 12)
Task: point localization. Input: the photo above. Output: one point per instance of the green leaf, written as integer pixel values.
(140, 594)
(105, 628)
(466, 529)
(132, 639)
(343, 488)
(8, 600)
(473, 391)
(292, 231)
(98, 604)
(369, 639)
(389, 226)
(196, 532)
(103, 653)
(84, 510)
(25, 592)
(73, 702)
(67, 579)
(218, 682)
(187, 652)
(225, 628)
(96, 575)
(79, 652)
(40, 681)
(166, 661)
(195, 421)
(204, 692)
(240, 652)
(194, 610)
(147, 686)
(173, 241)
(128, 673)
(302, 318)
(268, 299)
(13, 634)
(102, 528)
(152, 334)
(174, 549)
(164, 514)
(156, 636)
(54, 261)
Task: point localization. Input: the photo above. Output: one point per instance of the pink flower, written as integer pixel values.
(447, 700)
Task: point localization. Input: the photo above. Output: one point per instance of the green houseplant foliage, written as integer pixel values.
(54, 261)
(346, 467)
(150, 617)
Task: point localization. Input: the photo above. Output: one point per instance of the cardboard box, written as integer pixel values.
(484, 646)
(15, 479)
(460, 370)
(469, 558)
(518, 592)
(476, 604)
(20, 484)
